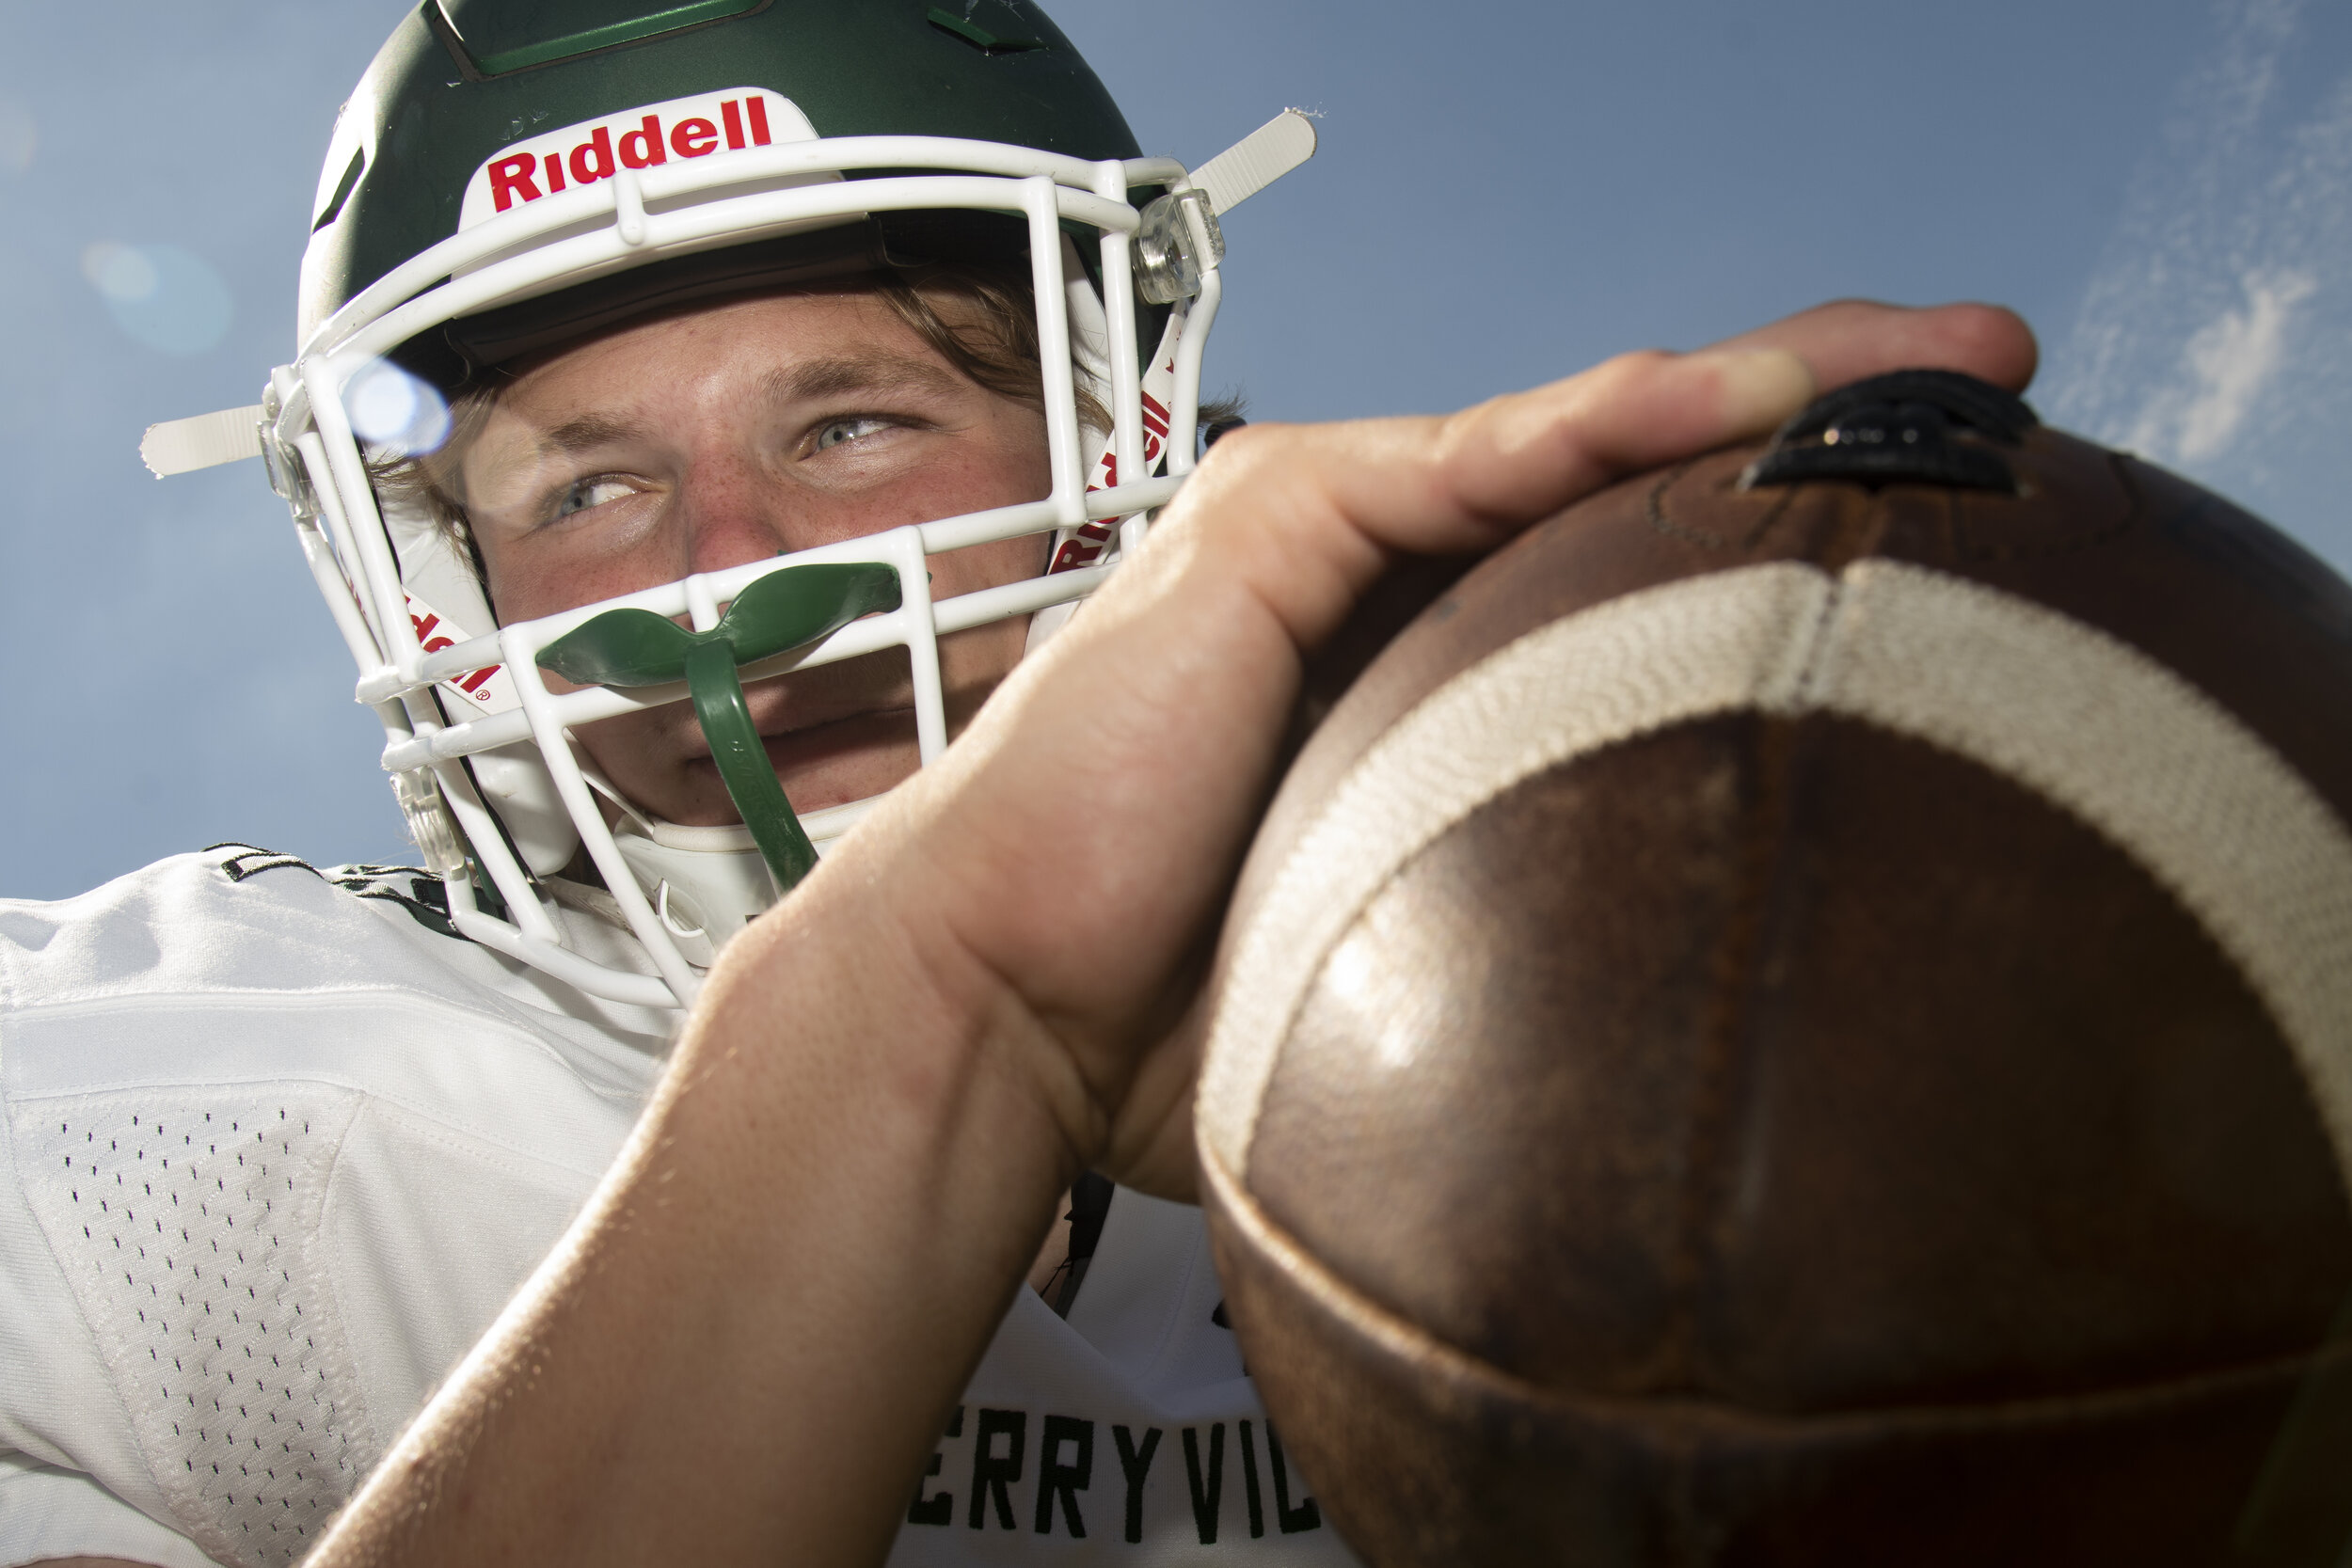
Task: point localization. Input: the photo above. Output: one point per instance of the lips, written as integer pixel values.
(805, 702)
(831, 735)
(829, 759)
(835, 734)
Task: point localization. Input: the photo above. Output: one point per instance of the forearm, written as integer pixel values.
(741, 1351)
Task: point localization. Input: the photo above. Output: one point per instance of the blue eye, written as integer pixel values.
(590, 493)
(854, 428)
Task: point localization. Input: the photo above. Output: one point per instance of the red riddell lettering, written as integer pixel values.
(472, 685)
(425, 639)
(643, 146)
(512, 177)
(525, 177)
(586, 170)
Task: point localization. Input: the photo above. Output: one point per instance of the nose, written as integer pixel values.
(731, 511)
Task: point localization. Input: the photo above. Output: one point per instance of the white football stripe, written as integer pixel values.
(1701, 645)
(2090, 723)
(2156, 766)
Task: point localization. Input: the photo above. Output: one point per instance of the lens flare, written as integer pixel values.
(165, 296)
(120, 272)
(20, 138)
(391, 409)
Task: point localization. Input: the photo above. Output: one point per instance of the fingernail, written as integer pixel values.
(1759, 387)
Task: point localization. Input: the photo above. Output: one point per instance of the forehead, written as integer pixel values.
(684, 351)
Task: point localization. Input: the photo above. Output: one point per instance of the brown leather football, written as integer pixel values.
(1802, 1014)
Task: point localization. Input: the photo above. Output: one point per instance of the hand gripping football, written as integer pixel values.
(1802, 1014)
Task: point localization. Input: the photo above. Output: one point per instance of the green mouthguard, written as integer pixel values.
(781, 612)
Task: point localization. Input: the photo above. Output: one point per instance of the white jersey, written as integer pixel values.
(276, 1148)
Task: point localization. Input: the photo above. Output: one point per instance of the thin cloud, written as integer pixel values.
(2225, 367)
(2216, 332)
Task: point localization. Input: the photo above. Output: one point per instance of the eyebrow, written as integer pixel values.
(838, 375)
(589, 429)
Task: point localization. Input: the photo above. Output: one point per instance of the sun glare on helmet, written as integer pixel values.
(391, 409)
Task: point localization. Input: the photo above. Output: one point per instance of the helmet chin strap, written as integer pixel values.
(704, 884)
(707, 883)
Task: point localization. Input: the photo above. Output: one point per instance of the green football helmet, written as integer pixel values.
(513, 176)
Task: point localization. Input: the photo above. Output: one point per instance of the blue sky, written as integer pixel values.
(1506, 192)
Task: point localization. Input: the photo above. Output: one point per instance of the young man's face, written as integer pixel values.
(702, 441)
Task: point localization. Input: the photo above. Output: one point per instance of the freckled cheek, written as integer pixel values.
(971, 663)
(527, 583)
(988, 565)
(643, 753)
(981, 477)
(522, 594)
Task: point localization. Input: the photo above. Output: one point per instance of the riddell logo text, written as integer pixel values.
(644, 137)
(517, 175)
(1086, 543)
(486, 686)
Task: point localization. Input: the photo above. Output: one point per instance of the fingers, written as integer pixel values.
(1520, 457)
(1467, 480)
(1308, 516)
(1850, 339)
